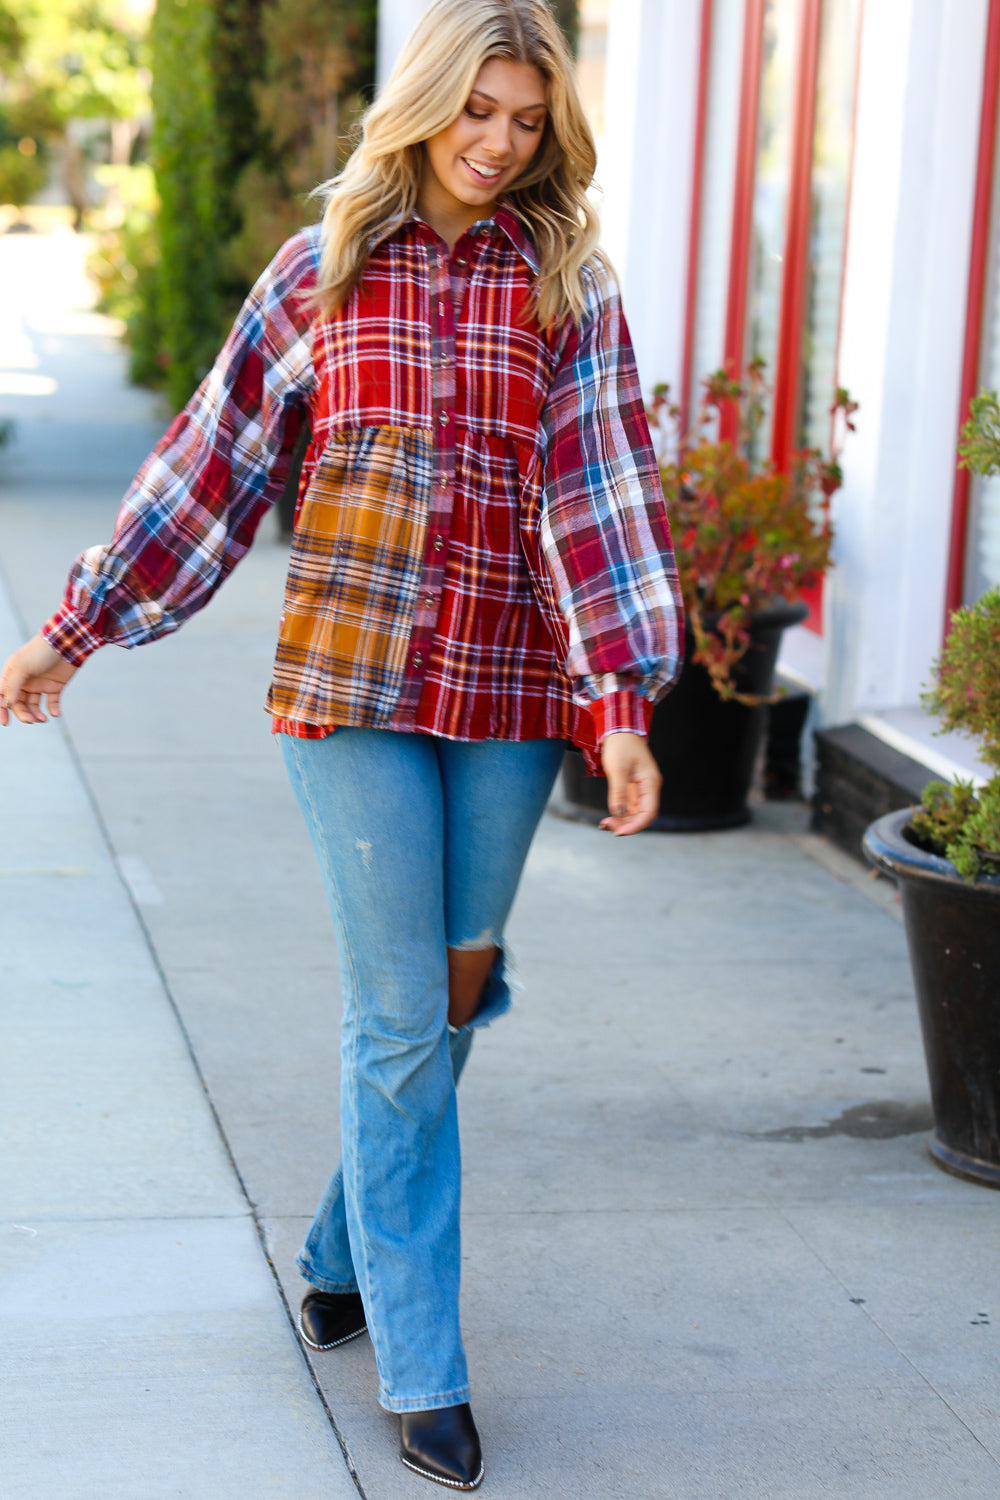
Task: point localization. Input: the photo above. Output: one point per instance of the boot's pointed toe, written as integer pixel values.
(327, 1319)
(442, 1445)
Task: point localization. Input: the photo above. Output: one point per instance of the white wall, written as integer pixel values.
(906, 282)
(396, 19)
(645, 171)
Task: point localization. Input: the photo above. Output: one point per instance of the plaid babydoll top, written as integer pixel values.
(481, 548)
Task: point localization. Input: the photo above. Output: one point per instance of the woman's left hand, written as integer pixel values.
(633, 783)
(35, 671)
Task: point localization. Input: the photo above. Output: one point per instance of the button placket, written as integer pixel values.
(441, 490)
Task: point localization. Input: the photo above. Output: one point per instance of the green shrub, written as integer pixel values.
(183, 157)
(21, 176)
(567, 13)
(966, 691)
(125, 265)
(253, 101)
(318, 76)
(960, 821)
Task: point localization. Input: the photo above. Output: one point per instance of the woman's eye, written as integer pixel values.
(473, 115)
(531, 129)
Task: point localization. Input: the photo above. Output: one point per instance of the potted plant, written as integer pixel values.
(945, 857)
(750, 540)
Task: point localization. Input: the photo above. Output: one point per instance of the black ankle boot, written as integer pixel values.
(327, 1319)
(443, 1445)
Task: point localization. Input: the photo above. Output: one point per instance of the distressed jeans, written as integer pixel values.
(421, 842)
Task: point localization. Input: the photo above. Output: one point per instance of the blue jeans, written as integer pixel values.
(421, 842)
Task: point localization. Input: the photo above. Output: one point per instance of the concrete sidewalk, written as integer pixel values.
(706, 1254)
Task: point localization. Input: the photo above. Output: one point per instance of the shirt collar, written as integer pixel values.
(516, 231)
(506, 220)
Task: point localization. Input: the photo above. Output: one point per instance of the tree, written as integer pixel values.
(22, 174)
(567, 13)
(11, 37)
(187, 288)
(63, 62)
(318, 76)
(252, 103)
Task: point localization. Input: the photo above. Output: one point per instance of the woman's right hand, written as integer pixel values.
(34, 672)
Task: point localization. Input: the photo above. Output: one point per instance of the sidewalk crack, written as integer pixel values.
(227, 1148)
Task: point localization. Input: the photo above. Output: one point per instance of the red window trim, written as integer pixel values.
(788, 361)
(850, 200)
(746, 161)
(955, 583)
(787, 375)
(794, 281)
(694, 231)
(814, 596)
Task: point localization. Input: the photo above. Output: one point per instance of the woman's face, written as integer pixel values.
(472, 162)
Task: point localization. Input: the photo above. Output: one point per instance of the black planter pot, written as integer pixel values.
(706, 749)
(953, 931)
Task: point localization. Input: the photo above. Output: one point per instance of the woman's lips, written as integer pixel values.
(483, 172)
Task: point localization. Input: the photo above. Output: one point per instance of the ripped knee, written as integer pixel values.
(469, 965)
(486, 940)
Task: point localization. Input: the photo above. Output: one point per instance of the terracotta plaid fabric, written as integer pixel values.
(352, 580)
(481, 548)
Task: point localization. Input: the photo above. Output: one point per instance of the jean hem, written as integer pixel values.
(401, 1404)
(321, 1282)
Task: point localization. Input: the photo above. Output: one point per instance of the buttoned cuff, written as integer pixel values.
(622, 710)
(69, 633)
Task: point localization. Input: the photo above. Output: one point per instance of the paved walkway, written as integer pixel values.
(706, 1254)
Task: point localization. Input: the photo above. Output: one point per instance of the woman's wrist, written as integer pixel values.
(70, 635)
(622, 710)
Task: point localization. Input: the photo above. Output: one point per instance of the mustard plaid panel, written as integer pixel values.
(356, 561)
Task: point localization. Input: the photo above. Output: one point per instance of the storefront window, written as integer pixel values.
(771, 184)
(718, 183)
(835, 85)
(982, 556)
(783, 73)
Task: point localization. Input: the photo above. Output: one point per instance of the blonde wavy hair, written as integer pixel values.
(430, 84)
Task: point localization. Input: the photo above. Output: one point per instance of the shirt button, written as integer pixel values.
(418, 660)
(461, 260)
(444, 418)
(441, 309)
(438, 543)
(443, 479)
(428, 599)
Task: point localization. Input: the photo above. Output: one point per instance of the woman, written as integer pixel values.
(480, 571)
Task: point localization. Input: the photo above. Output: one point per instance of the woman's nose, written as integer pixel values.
(498, 136)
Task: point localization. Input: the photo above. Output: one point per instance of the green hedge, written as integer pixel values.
(207, 60)
(567, 13)
(239, 88)
(184, 155)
